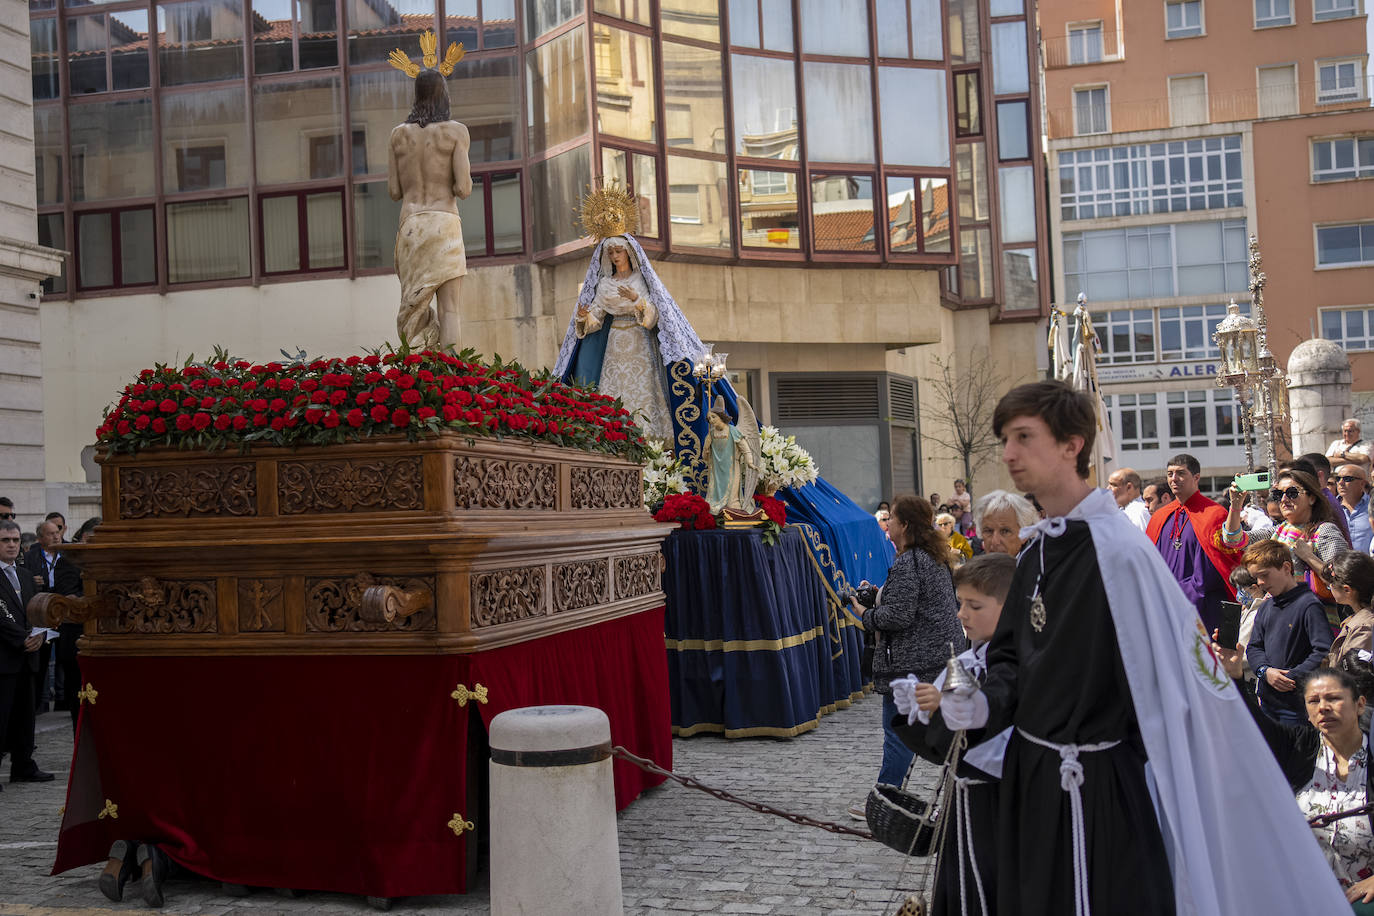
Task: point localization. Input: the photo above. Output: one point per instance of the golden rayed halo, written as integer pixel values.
(609, 210)
(429, 45)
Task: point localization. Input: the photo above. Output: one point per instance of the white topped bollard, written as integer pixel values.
(554, 847)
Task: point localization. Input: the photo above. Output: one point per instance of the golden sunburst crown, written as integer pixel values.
(429, 48)
(609, 210)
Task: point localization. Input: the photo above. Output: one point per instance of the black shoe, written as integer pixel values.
(118, 870)
(152, 864)
(34, 775)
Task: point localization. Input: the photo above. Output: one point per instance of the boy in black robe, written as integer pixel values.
(1055, 675)
(970, 844)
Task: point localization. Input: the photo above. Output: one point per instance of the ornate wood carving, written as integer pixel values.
(507, 595)
(493, 483)
(261, 606)
(606, 488)
(384, 603)
(578, 585)
(637, 574)
(348, 486)
(51, 609)
(153, 606)
(184, 492)
(333, 605)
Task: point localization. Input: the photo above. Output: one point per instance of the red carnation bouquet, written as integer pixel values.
(689, 509)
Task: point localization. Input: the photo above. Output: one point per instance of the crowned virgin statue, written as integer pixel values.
(628, 337)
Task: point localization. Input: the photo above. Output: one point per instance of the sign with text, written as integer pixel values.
(1148, 372)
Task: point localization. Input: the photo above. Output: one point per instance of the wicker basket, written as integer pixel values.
(897, 819)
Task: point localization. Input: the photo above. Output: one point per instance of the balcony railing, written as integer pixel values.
(1099, 47)
(1244, 105)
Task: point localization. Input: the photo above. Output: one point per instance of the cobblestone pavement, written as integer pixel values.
(681, 851)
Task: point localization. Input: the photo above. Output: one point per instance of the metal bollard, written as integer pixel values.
(554, 847)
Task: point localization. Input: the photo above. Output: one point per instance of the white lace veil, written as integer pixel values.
(676, 339)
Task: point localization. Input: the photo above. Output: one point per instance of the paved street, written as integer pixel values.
(681, 851)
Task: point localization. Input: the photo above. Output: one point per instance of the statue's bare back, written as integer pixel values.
(428, 168)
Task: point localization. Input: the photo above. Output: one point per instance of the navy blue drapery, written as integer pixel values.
(846, 541)
(754, 645)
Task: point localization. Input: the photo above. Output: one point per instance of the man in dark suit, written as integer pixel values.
(18, 661)
(54, 571)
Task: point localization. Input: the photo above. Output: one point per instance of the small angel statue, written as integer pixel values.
(731, 455)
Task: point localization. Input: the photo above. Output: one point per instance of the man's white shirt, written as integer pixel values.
(1137, 512)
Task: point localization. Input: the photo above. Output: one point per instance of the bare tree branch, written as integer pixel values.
(963, 403)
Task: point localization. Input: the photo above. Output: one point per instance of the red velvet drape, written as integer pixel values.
(332, 772)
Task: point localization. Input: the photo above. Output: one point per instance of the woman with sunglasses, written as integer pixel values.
(1309, 529)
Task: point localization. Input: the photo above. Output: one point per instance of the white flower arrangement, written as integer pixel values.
(662, 474)
(784, 462)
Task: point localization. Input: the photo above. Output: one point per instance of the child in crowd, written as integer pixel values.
(1290, 638)
(1352, 584)
(981, 586)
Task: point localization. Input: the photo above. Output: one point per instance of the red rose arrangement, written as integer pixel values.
(689, 509)
(315, 402)
(774, 508)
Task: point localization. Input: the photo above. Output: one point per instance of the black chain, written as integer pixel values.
(651, 767)
(1323, 820)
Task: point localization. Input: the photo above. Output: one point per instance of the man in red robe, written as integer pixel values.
(1191, 535)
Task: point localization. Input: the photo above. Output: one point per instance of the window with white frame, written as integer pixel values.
(1269, 13)
(1183, 18)
(1340, 81)
(1185, 332)
(1342, 158)
(1159, 261)
(1136, 419)
(1352, 328)
(1345, 245)
(1201, 174)
(1090, 110)
(1335, 9)
(1188, 415)
(1085, 43)
(1127, 336)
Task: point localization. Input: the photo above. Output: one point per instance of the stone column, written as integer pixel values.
(1318, 394)
(23, 266)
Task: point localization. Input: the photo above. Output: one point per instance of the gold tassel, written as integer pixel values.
(458, 825)
(462, 694)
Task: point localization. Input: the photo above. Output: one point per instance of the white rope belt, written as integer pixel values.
(964, 840)
(1071, 781)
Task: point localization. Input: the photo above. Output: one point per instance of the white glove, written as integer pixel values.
(904, 694)
(963, 713)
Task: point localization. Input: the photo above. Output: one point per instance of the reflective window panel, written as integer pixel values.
(51, 229)
(1016, 200)
(485, 96)
(1019, 287)
(507, 215)
(765, 96)
(379, 99)
(204, 140)
(935, 222)
(298, 130)
(693, 94)
(546, 15)
(915, 116)
(376, 29)
(699, 19)
(769, 217)
(1010, 68)
(111, 150)
(199, 41)
(375, 218)
(975, 263)
(1013, 130)
(48, 154)
(43, 59)
(698, 203)
(633, 10)
(624, 83)
(835, 27)
(556, 87)
(839, 112)
(498, 23)
(560, 182)
(842, 213)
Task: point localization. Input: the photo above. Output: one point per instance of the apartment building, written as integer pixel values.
(1176, 130)
(837, 191)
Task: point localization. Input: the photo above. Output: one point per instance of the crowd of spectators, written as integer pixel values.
(39, 669)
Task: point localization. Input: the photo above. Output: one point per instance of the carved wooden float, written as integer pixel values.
(446, 545)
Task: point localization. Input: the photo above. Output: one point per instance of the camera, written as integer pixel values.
(867, 594)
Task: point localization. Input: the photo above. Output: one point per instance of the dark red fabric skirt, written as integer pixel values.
(336, 773)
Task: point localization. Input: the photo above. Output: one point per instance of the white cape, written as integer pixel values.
(1236, 840)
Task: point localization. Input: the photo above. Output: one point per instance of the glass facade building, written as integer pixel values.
(220, 142)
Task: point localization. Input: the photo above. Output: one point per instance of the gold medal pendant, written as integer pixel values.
(1037, 613)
